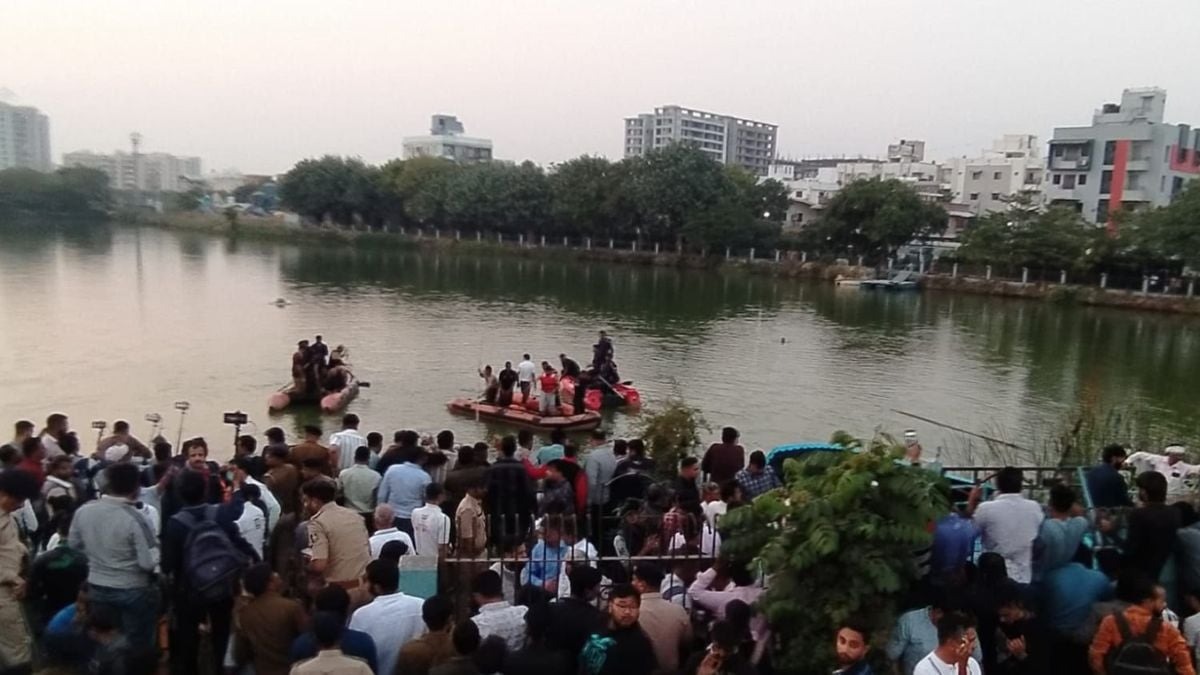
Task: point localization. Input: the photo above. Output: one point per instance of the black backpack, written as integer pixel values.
(1136, 654)
(211, 561)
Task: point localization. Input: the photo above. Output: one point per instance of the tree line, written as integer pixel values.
(677, 195)
(69, 190)
(1057, 238)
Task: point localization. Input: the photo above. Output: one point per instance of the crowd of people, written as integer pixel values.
(292, 557)
(527, 378)
(340, 554)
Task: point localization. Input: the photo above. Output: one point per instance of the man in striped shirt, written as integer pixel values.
(346, 442)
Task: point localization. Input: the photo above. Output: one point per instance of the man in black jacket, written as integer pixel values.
(511, 498)
(189, 610)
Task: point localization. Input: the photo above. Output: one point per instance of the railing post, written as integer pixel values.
(656, 248)
(1024, 275)
(543, 241)
(588, 243)
(478, 235)
(751, 255)
(1062, 277)
(954, 271)
(633, 246)
(1191, 287)
(521, 240)
(499, 238)
(803, 257)
(611, 244)
(1145, 284)
(403, 231)
(989, 273)
(457, 235)
(921, 264)
(437, 233)
(1104, 280)
(776, 255)
(565, 244)
(891, 263)
(727, 253)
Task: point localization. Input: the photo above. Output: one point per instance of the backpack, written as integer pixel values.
(1136, 654)
(211, 561)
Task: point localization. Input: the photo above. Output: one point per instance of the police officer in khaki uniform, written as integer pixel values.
(339, 548)
(15, 647)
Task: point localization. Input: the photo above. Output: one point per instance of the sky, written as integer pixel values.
(261, 84)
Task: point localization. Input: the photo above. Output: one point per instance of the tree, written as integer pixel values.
(837, 541)
(875, 217)
(419, 184)
(668, 185)
(671, 432)
(185, 201)
(74, 190)
(589, 198)
(243, 194)
(342, 190)
(1172, 232)
(1055, 239)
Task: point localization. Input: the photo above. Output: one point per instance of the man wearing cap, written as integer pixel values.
(1181, 476)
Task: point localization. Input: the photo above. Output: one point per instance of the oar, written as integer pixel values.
(612, 388)
(962, 431)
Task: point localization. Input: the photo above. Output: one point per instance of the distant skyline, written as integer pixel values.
(262, 84)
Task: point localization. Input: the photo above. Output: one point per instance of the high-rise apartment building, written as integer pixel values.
(729, 140)
(446, 140)
(24, 138)
(148, 172)
(1127, 159)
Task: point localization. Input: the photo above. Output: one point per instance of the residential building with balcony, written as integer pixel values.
(729, 140)
(446, 140)
(24, 138)
(1127, 159)
(989, 182)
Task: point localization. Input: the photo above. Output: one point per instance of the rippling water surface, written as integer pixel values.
(108, 323)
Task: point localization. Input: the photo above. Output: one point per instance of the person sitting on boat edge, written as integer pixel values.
(570, 367)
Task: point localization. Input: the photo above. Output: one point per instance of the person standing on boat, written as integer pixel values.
(602, 351)
(507, 379)
(491, 387)
(320, 352)
(526, 374)
(548, 388)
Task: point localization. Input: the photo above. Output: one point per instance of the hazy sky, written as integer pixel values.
(260, 84)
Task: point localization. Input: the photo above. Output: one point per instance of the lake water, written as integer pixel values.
(109, 323)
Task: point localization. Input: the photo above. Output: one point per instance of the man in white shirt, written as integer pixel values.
(1181, 476)
(526, 372)
(431, 525)
(347, 441)
(385, 531)
(57, 426)
(496, 615)
(392, 618)
(242, 467)
(1009, 523)
(956, 640)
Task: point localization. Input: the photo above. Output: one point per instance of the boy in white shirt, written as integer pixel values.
(431, 526)
(956, 641)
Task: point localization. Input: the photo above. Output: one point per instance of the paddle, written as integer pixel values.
(612, 389)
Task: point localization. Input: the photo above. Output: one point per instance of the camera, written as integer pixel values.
(182, 405)
(153, 418)
(236, 418)
(99, 424)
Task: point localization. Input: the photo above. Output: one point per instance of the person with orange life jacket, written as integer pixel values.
(548, 388)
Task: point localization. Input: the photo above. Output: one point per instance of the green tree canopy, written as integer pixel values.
(67, 190)
(838, 540)
(1020, 237)
(875, 217)
(1172, 232)
(340, 189)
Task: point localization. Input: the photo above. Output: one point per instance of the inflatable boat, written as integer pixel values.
(621, 394)
(330, 402)
(519, 415)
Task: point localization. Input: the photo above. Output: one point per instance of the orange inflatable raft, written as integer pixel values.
(526, 415)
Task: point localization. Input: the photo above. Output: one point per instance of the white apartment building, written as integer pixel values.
(727, 139)
(148, 172)
(24, 138)
(989, 182)
(446, 140)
